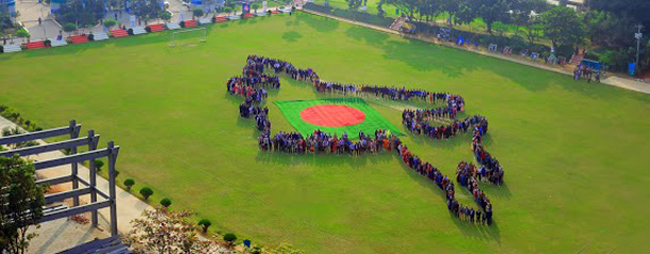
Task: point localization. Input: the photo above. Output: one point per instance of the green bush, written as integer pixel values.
(182, 24)
(148, 29)
(197, 13)
(166, 202)
(229, 237)
(130, 31)
(617, 59)
(98, 165)
(69, 27)
(91, 37)
(110, 23)
(129, 183)
(227, 10)
(205, 224)
(146, 192)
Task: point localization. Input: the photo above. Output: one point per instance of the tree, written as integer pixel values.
(197, 13)
(146, 9)
(146, 192)
(22, 33)
(167, 232)
(205, 224)
(522, 11)
(354, 4)
(407, 6)
(562, 26)
(21, 203)
(165, 16)
(69, 27)
(98, 165)
(633, 9)
(229, 238)
(165, 202)
(255, 6)
(81, 12)
(227, 10)
(8, 131)
(129, 183)
(109, 23)
(606, 29)
(491, 11)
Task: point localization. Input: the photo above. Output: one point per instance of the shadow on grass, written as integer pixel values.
(291, 36)
(323, 160)
(469, 229)
(320, 24)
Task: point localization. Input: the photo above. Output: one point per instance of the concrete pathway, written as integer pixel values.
(612, 80)
(129, 207)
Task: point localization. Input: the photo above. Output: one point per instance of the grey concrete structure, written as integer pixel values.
(89, 187)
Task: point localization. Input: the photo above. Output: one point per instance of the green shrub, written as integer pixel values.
(166, 202)
(110, 23)
(148, 29)
(205, 223)
(98, 165)
(197, 13)
(91, 37)
(146, 192)
(130, 31)
(182, 24)
(229, 237)
(69, 27)
(129, 183)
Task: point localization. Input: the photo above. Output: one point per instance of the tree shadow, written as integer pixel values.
(368, 35)
(318, 23)
(291, 36)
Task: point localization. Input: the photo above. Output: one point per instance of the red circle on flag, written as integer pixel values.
(332, 115)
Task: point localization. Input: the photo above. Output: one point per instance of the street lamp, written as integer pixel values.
(638, 35)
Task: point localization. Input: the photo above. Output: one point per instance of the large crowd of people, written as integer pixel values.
(252, 85)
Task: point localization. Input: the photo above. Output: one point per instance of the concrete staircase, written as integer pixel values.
(139, 30)
(397, 24)
(99, 36)
(58, 43)
(12, 48)
(173, 26)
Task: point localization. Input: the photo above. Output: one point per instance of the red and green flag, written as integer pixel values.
(334, 116)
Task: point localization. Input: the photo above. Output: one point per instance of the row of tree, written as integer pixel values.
(605, 24)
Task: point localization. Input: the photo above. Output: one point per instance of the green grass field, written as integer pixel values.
(573, 152)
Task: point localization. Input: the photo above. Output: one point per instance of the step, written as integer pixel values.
(100, 36)
(12, 48)
(58, 43)
(205, 21)
(117, 33)
(35, 45)
(234, 17)
(221, 19)
(78, 39)
(139, 30)
(261, 14)
(190, 23)
(157, 28)
(248, 16)
(173, 26)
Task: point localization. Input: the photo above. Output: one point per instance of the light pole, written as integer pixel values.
(638, 37)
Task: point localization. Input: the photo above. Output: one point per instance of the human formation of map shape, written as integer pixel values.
(252, 85)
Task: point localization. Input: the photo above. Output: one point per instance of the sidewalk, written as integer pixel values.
(129, 207)
(612, 80)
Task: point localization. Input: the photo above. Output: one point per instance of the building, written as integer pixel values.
(8, 6)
